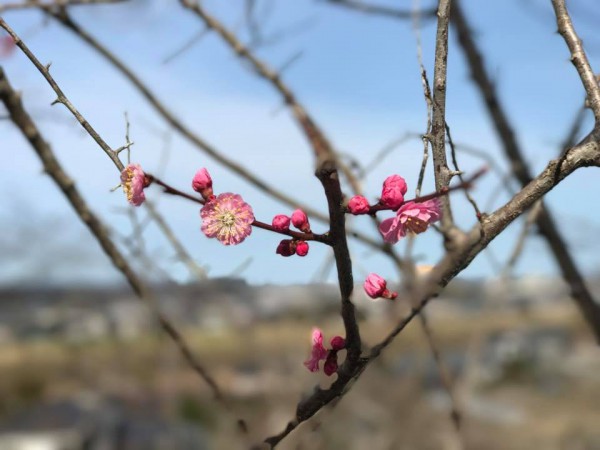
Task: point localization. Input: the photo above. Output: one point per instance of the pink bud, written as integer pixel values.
(338, 343)
(300, 221)
(358, 205)
(392, 194)
(202, 183)
(376, 287)
(286, 248)
(301, 248)
(281, 222)
(331, 364)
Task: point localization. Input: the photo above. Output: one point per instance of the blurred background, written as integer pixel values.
(83, 363)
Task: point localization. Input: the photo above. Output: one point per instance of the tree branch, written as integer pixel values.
(52, 167)
(442, 173)
(578, 56)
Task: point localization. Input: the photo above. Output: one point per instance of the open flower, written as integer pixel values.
(133, 180)
(228, 218)
(376, 287)
(394, 188)
(318, 352)
(411, 216)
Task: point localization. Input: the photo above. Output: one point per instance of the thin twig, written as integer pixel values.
(578, 56)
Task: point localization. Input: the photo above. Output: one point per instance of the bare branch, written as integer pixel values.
(52, 167)
(442, 173)
(578, 56)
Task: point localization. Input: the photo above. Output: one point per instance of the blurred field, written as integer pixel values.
(540, 390)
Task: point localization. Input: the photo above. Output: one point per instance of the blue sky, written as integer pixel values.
(358, 76)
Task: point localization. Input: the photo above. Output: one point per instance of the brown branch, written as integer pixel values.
(579, 292)
(442, 173)
(578, 56)
(52, 167)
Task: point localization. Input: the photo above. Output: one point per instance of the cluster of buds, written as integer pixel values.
(289, 247)
(413, 216)
(319, 353)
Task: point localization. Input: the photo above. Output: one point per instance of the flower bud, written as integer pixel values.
(392, 194)
(301, 248)
(338, 343)
(281, 222)
(358, 205)
(202, 183)
(376, 287)
(300, 221)
(286, 248)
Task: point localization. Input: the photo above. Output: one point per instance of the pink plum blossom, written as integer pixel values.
(318, 352)
(392, 194)
(281, 222)
(228, 218)
(301, 248)
(411, 216)
(376, 287)
(358, 205)
(300, 221)
(202, 183)
(133, 180)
